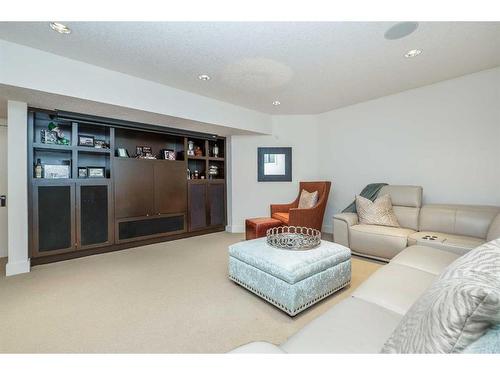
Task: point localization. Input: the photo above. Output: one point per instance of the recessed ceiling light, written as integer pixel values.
(413, 53)
(204, 77)
(276, 103)
(60, 28)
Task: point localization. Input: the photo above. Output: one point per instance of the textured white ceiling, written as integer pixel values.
(309, 67)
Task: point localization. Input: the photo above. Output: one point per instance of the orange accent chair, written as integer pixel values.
(290, 214)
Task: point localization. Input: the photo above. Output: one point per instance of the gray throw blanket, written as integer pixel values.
(370, 192)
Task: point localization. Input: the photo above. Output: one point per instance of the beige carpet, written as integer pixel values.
(172, 297)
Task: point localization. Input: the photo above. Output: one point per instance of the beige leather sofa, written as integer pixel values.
(456, 228)
(363, 322)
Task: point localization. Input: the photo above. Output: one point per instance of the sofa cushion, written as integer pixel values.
(395, 287)
(425, 258)
(462, 220)
(458, 308)
(351, 326)
(378, 212)
(449, 242)
(281, 216)
(378, 241)
(403, 195)
(258, 347)
(407, 216)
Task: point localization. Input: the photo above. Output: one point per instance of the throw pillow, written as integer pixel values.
(308, 200)
(378, 212)
(489, 343)
(457, 309)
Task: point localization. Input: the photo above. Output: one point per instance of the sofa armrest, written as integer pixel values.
(494, 230)
(341, 224)
(350, 218)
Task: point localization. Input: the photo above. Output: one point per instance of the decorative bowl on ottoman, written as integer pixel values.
(290, 280)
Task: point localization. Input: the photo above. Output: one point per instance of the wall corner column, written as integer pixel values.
(17, 188)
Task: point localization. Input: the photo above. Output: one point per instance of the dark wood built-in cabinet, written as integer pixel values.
(137, 201)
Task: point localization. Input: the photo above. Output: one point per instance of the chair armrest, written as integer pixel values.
(281, 207)
(304, 217)
(350, 218)
(341, 224)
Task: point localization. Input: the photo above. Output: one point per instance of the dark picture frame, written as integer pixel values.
(82, 172)
(261, 151)
(86, 140)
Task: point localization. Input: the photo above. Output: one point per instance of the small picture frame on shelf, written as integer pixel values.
(86, 140)
(96, 172)
(101, 143)
(168, 154)
(122, 153)
(82, 172)
(147, 151)
(56, 171)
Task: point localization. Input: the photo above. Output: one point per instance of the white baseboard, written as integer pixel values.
(17, 268)
(235, 228)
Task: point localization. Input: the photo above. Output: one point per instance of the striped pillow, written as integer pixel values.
(457, 309)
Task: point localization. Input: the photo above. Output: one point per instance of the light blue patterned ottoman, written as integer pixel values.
(290, 280)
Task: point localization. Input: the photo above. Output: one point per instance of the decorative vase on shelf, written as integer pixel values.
(215, 151)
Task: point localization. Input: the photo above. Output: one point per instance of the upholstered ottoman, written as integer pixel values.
(290, 280)
(257, 227)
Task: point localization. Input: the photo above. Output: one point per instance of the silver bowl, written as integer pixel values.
(293, 238)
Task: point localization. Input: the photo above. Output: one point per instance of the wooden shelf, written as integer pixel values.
(146, 160)
(51, 147)
(211, 158)
(93, 150)
(197, 157)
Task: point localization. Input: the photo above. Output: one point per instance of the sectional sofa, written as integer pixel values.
(455, 228)
(363, 322)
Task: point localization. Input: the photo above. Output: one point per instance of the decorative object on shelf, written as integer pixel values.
(82, 172)
(202, 177)
(213, 171)
(96, 172)
(198, 151)
(293, 238)
(101, 143)
(86, 140)
(55, 171)
(53, 135)
(122, 153)
(196, 174)
(168, 154)
(147, 151)
(188, 174)
(190, 150)
(274, 164)
(38, 169)
(138, 151)
(215, 151)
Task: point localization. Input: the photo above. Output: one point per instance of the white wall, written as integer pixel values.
(3, 186)
(30, 68)
(250, 198)
(17, 118)
(444, 137)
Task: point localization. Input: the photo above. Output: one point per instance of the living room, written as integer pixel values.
(250, 186)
